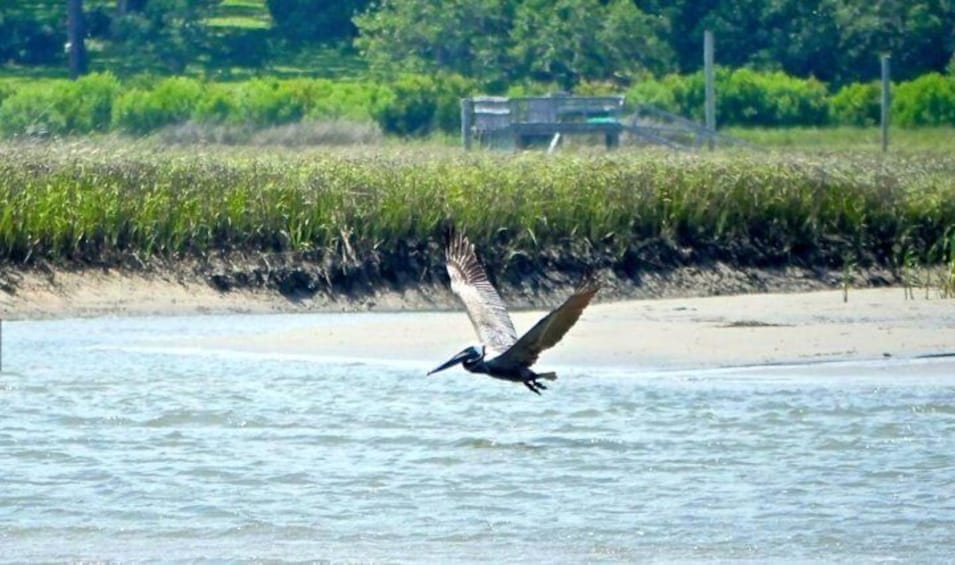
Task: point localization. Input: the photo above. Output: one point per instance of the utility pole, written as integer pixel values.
(886, 101)
(710, 107)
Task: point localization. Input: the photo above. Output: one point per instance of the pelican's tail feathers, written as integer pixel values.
(549, 376)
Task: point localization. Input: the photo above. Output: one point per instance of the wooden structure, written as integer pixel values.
(651, 126)
(517, 123)
(502, 122)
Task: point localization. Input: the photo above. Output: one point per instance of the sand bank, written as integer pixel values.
(684, 332)
(674, 332)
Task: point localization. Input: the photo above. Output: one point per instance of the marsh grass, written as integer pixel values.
(95, 202)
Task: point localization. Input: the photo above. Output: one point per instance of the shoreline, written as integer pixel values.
(802, 323)
(183, 288)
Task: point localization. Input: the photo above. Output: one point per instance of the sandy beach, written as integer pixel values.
(670, 333)
(742, 329)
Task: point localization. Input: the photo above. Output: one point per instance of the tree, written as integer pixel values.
(833, 40)
(498, 40)
(321, 21)
(568, 41)
(918, 35)
(124, 7)
(169, 33)
(467, 37)
(76, 36)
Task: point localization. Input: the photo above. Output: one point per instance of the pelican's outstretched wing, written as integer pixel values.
(549, 330)
(484, 305)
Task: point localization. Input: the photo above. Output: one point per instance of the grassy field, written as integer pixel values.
(829, 139)
(101, 203)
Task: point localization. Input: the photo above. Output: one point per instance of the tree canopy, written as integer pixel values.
(496, 42)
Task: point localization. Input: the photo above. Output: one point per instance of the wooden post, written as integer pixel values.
(710, 108)
(886, 101)
(467, 117)
(612, 139)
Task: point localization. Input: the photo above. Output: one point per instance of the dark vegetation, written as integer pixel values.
(406, 63)
(490, 41)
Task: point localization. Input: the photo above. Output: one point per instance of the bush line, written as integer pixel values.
(419, 104)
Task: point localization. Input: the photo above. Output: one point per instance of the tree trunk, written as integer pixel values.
(76, 37)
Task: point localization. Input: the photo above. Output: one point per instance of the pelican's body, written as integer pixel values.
(502, 355)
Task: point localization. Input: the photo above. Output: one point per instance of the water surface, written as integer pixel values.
(119, 441)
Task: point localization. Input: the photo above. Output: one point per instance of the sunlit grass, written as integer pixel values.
(239, 22)
(242, 14)
(901, 140)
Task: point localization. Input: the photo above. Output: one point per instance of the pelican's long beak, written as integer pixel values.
(450, 362)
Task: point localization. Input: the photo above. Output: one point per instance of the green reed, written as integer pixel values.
(87, 201)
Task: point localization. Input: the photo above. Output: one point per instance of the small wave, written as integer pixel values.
(440, 460)
(482, 443)
(94, 421)
(188, 417)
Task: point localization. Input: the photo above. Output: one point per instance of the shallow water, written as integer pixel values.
(119, 442)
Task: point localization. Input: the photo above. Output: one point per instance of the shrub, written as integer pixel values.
(6, 89)
(771, 99)
(926, 101)
(172, 101)
(31, 110)
(346, 100)
(87, 103)
(412, 109)
(217, 105)
(689, 92)
(743, 97)
(654, 93)
(449, 90)
(60, 107)
(857, 104)
(264, 102)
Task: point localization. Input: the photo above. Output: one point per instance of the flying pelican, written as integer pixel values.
(502, 355)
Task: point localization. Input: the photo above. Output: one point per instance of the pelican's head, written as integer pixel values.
(469, 357)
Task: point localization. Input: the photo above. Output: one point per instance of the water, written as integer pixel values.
(119, 442)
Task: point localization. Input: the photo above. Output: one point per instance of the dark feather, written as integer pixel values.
(549, 330)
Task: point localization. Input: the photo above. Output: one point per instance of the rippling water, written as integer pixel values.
(115, 444)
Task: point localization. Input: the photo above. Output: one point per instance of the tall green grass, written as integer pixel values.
(87, 202)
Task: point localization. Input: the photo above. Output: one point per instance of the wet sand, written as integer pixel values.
(744, 329)
(671, 333)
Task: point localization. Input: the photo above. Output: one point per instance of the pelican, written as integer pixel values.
(501, 355)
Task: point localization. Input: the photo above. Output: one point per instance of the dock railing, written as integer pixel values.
(518, 122)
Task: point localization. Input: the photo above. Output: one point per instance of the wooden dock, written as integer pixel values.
(521, 122)
(543, 121)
